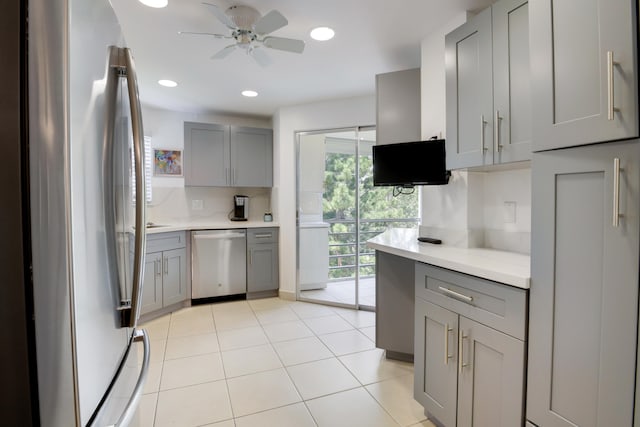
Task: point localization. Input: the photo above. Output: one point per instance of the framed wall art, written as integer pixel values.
(167, 162)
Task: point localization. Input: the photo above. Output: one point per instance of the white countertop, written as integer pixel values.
(208, 225)
(505, 267)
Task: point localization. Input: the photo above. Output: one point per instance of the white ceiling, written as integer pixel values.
(372, 37)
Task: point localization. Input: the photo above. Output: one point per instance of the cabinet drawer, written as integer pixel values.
(499, 306)
(262, 235)
(166, 241)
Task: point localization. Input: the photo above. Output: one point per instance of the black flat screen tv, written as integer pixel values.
(410, 163)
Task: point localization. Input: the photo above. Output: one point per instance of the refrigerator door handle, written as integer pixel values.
(132, 406)
(141, 191)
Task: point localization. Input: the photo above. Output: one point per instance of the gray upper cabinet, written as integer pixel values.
(252, 157)
(398, 106)
(227, 156)
(469, 93)
(584, 286)
(511, 82)
(488, 88)
(206, 154)
(584, 77)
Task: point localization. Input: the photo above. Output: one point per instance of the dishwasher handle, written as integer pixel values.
(219, 236)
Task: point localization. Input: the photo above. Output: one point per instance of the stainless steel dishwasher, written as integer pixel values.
(218, 263)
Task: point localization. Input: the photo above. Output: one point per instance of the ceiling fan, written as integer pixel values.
(250, 29)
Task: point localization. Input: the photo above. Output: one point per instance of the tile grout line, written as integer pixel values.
(224, 370)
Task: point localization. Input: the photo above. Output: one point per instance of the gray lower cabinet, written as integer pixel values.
(227, 156)
(584, 82)
(488, 88)
(584, 286)
(165, 276)
(395, 297)
(466, 372)
(262, 261)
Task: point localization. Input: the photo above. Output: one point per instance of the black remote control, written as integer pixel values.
(429, 240)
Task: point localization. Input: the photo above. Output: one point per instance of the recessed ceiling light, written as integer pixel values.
(322, 34)
(249, 93)
(167, 83)
(155, 3)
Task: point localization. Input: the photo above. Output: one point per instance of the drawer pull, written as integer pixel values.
(455, 294)
(263, 235)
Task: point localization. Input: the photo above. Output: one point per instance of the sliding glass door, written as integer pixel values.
(338, 211)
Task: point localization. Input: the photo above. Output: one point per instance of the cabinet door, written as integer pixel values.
(398, 107)
(511, 82)
(152, 285)
(251, 157)
(435, 375)
(491, 379)
(174, 276)
(584, 286)
(262, 268)
(570, 74)
(469, 93)
(206, 155)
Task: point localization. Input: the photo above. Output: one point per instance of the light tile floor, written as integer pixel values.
(272, 362)
(345, 292)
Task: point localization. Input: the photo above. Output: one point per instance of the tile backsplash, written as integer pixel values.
(199, 204)
(481, 209)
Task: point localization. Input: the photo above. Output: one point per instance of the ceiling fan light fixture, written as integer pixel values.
(322, 33)
(167, 83)
(249, 93)
(155, 3)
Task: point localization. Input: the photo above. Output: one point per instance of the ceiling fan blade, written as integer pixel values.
(270, 22)
(260, 56)
(224, 52)
(281, 43)
(219, 13)
(218, 36)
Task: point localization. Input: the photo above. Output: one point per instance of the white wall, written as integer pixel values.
(358, 111)
(470, 210)
(172, 201)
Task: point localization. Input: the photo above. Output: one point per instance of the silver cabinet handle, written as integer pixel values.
(250, 256)
(447, 356)
(461, 338)
(132, 405)
(165, 262)
(263, 235)
(156, 267)
(483, 123)
(497, 145)
(616, 192)
(611, 109)
(455, 294)
(141, 190)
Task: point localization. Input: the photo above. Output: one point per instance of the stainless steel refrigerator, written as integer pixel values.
(72, 219)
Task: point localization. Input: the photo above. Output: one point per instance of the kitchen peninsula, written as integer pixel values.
(460, 314)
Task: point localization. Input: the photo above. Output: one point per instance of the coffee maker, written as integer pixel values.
(240, 208)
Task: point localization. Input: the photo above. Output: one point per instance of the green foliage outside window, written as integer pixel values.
(376, 203)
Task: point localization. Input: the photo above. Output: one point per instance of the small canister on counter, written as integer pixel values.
(268, 217)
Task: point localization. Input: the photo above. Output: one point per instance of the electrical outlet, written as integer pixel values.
(509, 212)
(197, 205)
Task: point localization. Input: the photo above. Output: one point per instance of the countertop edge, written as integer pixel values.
(458, 259)
(222, 225)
